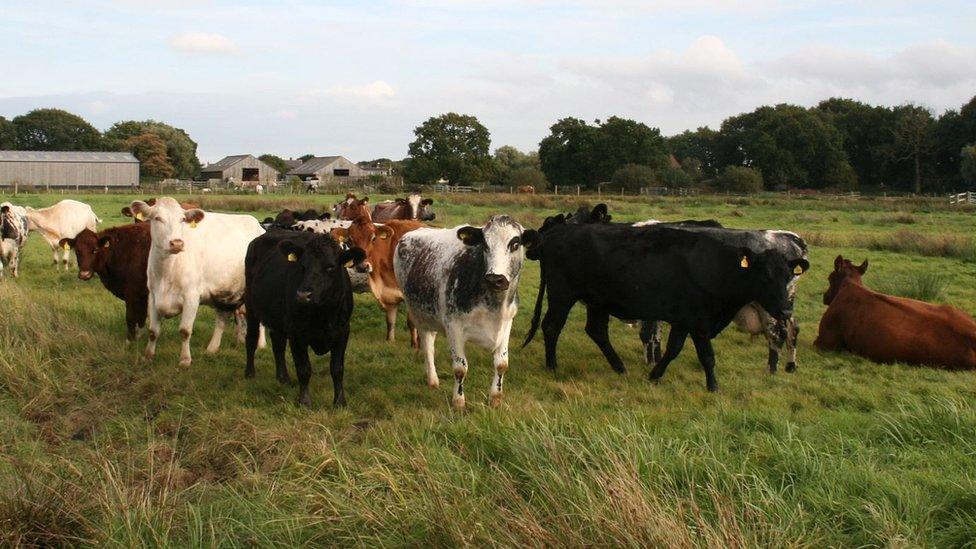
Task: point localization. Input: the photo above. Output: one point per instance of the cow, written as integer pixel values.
(884, 328)
(412, 207)
(349, 205)
(286, 218)
(13, 236)
(525, 189)
(359, 279)
(297, 286)
(379, 243)
(63, 220)
(463, 282)
(196, 258)
(127, 211)
(693, 280)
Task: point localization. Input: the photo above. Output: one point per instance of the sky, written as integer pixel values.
(355, 78)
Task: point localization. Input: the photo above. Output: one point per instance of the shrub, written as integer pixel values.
(529, 176)
(633, 177)
(675, 178)
(739, 179)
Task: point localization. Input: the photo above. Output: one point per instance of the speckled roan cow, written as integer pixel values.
(463, 282)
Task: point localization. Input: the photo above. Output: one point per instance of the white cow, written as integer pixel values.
(195, 257)
(63, 220)
(13, 237)
(321, 226)
(464, 282)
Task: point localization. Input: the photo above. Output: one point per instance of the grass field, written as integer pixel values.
(97, 446)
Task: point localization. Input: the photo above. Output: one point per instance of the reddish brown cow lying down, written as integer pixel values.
(886, 328)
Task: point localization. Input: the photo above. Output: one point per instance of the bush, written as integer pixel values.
(739, 179)
(529, 176)
(633, 177)
(675, 178)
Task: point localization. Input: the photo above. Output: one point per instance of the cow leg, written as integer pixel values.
(153, 328)
(414, 336)
(650, 335)
(220, 323)
(251, 344)
(427, 345)
(552, 325)
(459, 363)
(133, 316)
(676, 340)
(337, 364)
(391, 314)
(706, 355)
(278, 341)
(299, 354)
(54, 253)
(500, 359)
(792, 333)
(240, 324)
(191, 305)
(597, 327)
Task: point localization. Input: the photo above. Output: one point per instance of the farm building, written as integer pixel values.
(68, 169)
(243, 168)
(324, 167)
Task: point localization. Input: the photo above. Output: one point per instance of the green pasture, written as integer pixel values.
(99, 447)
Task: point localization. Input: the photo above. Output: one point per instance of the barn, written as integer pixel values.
(68, 169)
(244, 168)
(325, 167)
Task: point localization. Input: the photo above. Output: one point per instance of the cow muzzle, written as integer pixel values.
(303, 296)
(365, 268)
(85, 275)
(783, 315)
(176, 246)
(496, 282)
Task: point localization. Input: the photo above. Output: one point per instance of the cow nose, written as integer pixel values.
(364, 268)
(84, 275)
(303, 296)
(496, 281)
(784, 314)
(176, 245)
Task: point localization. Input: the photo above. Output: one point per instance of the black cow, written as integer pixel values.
(286, 218)
(694, 281)
(297, 286)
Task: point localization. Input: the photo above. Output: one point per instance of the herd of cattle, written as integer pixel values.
(294, 275)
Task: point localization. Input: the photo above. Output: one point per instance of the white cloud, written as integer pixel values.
(203, 42)
(374, 91)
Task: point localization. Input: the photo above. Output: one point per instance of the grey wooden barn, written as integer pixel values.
(68, 169)
(325, 167)
(244, 168)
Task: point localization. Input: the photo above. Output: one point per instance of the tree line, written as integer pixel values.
(840, 144)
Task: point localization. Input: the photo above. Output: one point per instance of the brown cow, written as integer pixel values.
(526, 189)
(119, 256)
(127, 211)
(886, 328)
(412, 207)
(379, 242)
(348, 207)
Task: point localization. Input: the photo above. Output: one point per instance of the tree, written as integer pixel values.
(8, 134)
(867, 138)
(693, 168)
(508, 159)
(633, 177)
(739, 179)
(150, 149)
(180, 149)
(967, 165)
(55, 130)
(529, 176)
(953, 131)
(306, 157)
(275, 162)
(791, 146)
(699, 145)
(913, 137)
(675, 178)
(453, 146)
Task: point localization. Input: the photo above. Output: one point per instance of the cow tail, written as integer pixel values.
(534, 326)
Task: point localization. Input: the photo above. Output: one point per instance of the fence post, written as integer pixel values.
(556, 189)
(577, 190)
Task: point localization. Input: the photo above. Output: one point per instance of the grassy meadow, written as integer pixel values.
(98, 446)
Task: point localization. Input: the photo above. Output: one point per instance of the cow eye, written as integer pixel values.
(514, 244)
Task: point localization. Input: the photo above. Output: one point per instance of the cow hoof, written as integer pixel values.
(433, 383)
(339, 402)
(458, 403)
(185, 363)
(791, 367)
(772, 369)
(284, 380)
(495, 400)
(712, 387)
(305, 402)
(248, 374)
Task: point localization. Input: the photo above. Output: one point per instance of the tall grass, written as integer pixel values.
(924, 286)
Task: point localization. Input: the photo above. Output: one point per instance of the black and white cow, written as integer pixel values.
(297, 286)
(690, 279)
(13, 237)
(463, 282)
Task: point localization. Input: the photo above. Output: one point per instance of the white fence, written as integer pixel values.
(962, 198)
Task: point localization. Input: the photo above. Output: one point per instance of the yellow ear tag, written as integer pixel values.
(341, 238)
(744, 263)
(348, 264)
(139, 216)
(66, 246)
(293, 257)
(798, 270)
(384, 235)
(193, 224)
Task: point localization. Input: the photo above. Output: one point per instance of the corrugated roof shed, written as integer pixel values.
(68, 156)
(224, 163)
(314, 164)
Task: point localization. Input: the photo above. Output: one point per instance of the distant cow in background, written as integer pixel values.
(13, 237)
(63, 220)
(463, 282)
(127, 211)
(286, 218)
(525, 189)
(886, 329)
(412, 207)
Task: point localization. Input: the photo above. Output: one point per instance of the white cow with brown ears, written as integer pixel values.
(195, 257)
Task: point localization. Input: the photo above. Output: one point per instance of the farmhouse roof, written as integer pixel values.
(68, 156)
(313, 165)
(224, 163)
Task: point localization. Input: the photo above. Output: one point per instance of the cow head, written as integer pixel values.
(136, 217)
(363, 234)
(767, 279)
(503, 243)
(346, 208)
(92, 251)
(419, 208)
(844, 271)
(585, 216)
(169, 221)
(319, 266)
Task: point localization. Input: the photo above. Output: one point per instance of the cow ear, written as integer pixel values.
(607, 218)
(599, 212)
(151, 201)
(127, 211)
(471, 236)
(364, 200)
(383, 232)
(350, 195)
(66, 243)
(339, 234)
(352, 256)
(291, 250)
(838, 262)
(325, 216)
(141, 210)
(104, 242)
(799, 266)
(4, 209)
(531, 238)
(193, 216)
(863, 267)
(427, 201)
